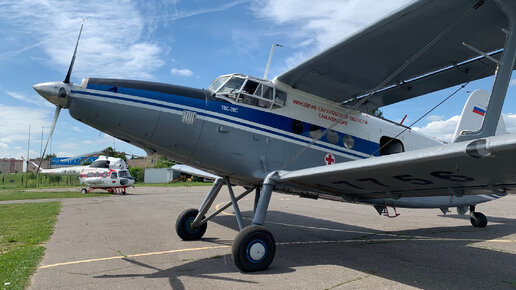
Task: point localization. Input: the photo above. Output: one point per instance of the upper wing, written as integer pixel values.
(356, 66)
(474, 167)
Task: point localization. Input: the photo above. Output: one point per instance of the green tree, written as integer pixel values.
(137, 172)
(163, 162)
(112, 153)
(50, 156)
(376, 112)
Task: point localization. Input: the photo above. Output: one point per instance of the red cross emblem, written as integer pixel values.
(329, 159)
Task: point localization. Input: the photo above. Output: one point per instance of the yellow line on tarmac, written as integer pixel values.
(501, 241)
(218, 206)
(133, 256)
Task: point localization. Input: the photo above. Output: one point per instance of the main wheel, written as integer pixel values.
(184, 227)
(253, 249)
(84, 191)
(480, 221)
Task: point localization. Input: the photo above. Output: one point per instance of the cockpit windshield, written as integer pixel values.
(250, 91)
(124, 174)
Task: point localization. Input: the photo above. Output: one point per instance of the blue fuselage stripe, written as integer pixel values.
(205, 108)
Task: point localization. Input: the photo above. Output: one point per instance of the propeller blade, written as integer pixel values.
(67, 78)
(56, 115)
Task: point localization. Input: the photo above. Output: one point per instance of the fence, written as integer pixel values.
(31, 180)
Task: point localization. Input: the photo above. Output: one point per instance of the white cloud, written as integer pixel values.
(442, 129)
(510, 122)
(323, 23)
(185, 14)
(181, 72)
(64, 154)
(32, 99)
(4, 150)
(111, 44)
(14, 122)
(432, 118)
(76, 129)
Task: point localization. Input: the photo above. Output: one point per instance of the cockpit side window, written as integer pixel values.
(243, 89)
(280, 99)
(249, 87)
(232, 84)
(114, 175)
(264, 94)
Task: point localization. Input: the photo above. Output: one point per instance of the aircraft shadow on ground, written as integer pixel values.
(424, 258)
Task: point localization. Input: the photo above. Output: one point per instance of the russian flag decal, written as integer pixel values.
(479, 111)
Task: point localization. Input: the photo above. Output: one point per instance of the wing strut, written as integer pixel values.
(502, 78)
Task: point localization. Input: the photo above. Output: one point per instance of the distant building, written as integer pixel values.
(32, 168)
(160, 175)
(11, 165)
(144, 162)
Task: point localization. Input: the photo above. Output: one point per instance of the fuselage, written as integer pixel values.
(240, 127)
(209, 130)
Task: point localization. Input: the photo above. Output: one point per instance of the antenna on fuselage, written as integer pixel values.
(270, 58)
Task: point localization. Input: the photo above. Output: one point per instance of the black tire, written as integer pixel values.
(84, 191)
(253, 249)
(480, 221)
(184, 229)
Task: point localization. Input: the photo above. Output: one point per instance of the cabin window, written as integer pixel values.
(390, 145)
(114, 175)
(348, 141)
(90, 174)
(315, 131)
(297, 127)
(333, 137)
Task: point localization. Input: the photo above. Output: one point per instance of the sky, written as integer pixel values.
(179, 42)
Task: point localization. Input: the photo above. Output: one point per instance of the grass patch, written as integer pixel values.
(22, 195)
(23, 228)
(513, 284)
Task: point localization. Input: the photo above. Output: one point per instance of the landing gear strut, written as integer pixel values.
(477, 219)
(254, 247)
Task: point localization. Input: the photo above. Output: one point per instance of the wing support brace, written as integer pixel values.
(502, 78)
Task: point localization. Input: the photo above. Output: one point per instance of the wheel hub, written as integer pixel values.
(257, 250)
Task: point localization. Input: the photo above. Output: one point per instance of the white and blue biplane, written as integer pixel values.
(307, 132)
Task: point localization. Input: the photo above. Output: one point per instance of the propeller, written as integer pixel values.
(56, 115)
(62, 93)
(67, 78)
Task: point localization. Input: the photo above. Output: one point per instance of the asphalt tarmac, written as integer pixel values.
(129, 242)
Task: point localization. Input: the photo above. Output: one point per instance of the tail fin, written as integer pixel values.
(473, 114)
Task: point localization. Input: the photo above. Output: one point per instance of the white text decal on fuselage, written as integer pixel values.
(229, 109)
